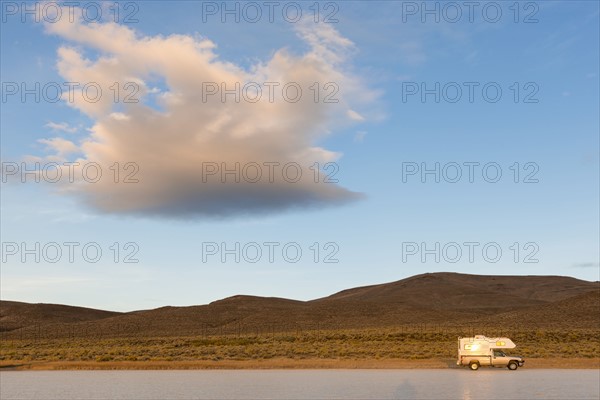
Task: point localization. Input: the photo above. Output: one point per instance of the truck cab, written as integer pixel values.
(500, 359)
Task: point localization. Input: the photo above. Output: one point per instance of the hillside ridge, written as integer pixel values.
(434, 298)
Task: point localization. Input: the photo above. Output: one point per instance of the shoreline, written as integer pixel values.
(281, 363)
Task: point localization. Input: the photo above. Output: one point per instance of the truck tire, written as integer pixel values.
(513, 365)
(474, 366)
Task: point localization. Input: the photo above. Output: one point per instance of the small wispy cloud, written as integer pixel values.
(586, 265)
(16, 284)
(61, 147)
(412, 52)
(61, 127)
(67, 216)
(359, 137)
(354, 116)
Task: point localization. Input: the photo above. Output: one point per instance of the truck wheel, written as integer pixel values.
(474, 366)
(512, 365)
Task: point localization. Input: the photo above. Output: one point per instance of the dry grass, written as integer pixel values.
(318, 349)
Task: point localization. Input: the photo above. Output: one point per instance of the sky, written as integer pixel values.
(178, 153)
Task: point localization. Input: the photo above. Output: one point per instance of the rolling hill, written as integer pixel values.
(434, 298)
(14, 314)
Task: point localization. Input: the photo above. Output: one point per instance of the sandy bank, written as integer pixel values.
(284, 363)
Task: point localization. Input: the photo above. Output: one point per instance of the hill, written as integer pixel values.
(434, 298)
(465, 291)
(580, 311)
(15, 315)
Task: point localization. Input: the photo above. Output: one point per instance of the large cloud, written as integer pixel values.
(176, 136)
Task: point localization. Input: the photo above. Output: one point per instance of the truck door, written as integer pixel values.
(498, 357)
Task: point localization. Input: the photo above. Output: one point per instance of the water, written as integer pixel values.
(302, 384)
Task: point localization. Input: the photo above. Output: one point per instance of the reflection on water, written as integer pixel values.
(302, 384)
(467, 393)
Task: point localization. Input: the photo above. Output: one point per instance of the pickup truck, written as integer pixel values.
(480, 351)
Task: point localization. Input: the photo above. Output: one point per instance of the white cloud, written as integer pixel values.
(60, 146)
(174, 137)
(16, 284)
(353, 115)
(412, 52)
(586, 265)
(359, 137)
(404, 78)
(61, 127)
(119, 116)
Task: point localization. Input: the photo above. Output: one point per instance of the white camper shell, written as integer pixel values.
(484, 351)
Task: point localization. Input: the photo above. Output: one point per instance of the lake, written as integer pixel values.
(302, 384)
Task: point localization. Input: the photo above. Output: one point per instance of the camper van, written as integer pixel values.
(480, 351)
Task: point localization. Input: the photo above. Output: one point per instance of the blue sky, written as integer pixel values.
(375, 53)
